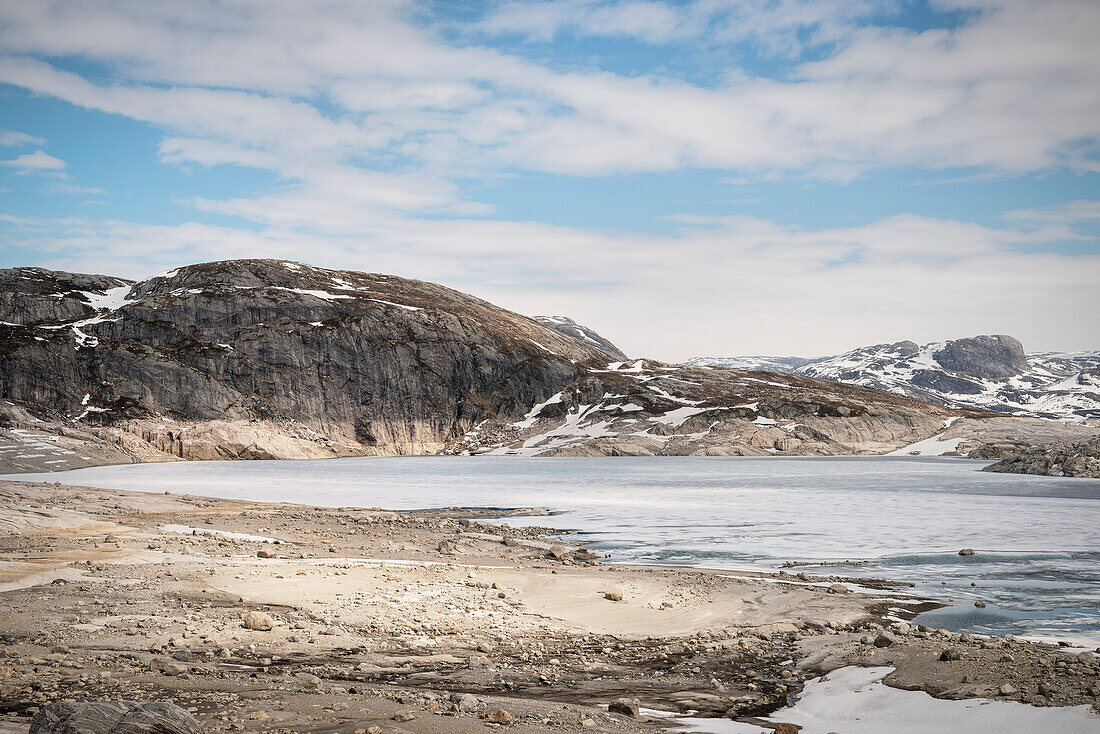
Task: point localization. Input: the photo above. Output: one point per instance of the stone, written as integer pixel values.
(625, 706)
(404, 716)
(557, 551)
(264, 553)
(966, 552)
(950, 653)
(885, 639)
(979, 604)
(467, 703)
(309, 679)
(502, 717)
(510, 541)
(113, 717)
(447, 547)
(1088, 658)
(1007, 689)
(1048, 690)
(259, 621)
(838, 589)
(785, 728)
(612, 596)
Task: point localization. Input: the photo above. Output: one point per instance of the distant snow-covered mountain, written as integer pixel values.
(985, 372)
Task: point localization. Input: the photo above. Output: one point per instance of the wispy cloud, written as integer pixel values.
(63, 187)
(10, 138)
(36, 162)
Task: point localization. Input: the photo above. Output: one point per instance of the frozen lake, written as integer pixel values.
(1037, 539)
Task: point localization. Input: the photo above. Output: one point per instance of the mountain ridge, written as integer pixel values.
(988, 372)
(259, 359)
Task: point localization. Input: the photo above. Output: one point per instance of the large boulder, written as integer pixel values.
(113, 717)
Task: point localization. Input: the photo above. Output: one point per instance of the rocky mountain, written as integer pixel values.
(571, 328)
(646, 408)
(261, 358)
(273, 359)
(984, 372)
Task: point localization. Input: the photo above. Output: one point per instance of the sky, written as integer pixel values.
(704, 177)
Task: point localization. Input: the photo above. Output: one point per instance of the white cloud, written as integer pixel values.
(1011, 90)
(774, 27)
(11, 138)
(35, 162)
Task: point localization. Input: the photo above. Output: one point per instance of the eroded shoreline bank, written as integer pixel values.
(358, 616)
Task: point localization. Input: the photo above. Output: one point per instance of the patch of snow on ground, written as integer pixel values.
(188, 530)
(533, 414)
(391, 303)
(854, 700)
(935, 446)
(677, 416)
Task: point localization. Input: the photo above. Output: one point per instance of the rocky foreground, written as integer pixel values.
(260, 617)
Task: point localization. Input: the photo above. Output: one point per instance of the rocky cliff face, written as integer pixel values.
(571, 328)
(984, 372)
(371, 363)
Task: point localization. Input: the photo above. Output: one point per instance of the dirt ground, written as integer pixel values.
(363, 620)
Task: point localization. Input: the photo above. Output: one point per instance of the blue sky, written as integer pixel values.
(707, 176)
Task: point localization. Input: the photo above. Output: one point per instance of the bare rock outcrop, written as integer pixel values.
(370, 363)
(1080, 459)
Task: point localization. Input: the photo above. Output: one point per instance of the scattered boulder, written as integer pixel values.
(558, 552)
(626, 707)
(966, 552)
(500, 716)
(467, 703)
(404, 716)
(950, 653)
(838, 589)
(885, 639)
(785, 728)
(612, 596)
(258, 621)
(309, 679)
(448, 547)
(979, 604)
(1007, 690)
(113, 717)
(265, 553)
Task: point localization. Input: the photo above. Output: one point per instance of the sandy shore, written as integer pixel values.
(375, 621)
